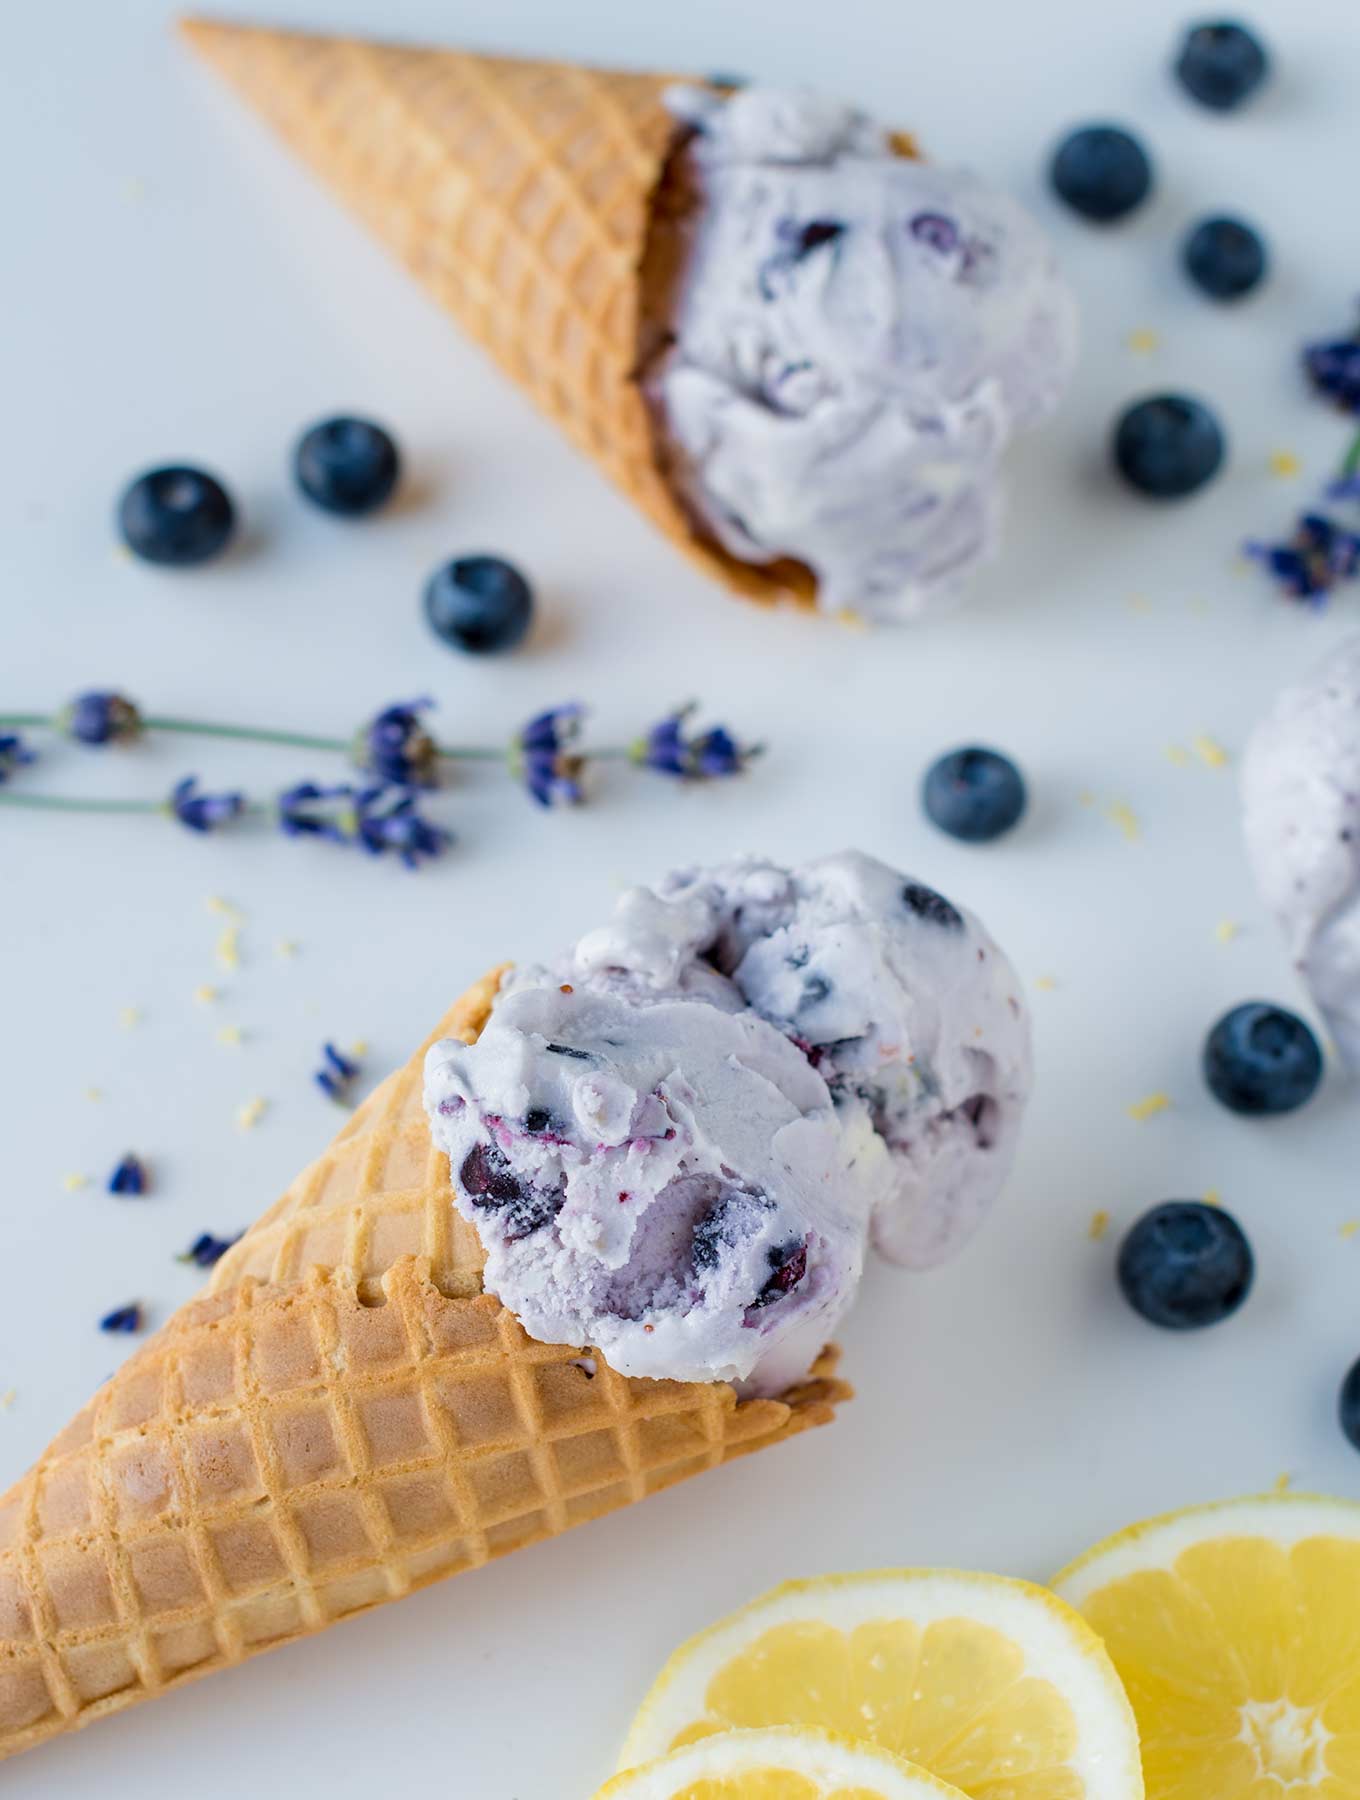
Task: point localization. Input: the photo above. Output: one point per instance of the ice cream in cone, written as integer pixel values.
(798, 350)
(341, 1417)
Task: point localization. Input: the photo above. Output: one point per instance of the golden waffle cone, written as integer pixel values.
(522, 195)
(342, 1416)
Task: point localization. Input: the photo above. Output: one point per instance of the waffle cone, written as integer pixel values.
(341, 1417)
(522, 195)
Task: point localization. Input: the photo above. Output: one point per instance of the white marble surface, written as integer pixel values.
(174, 287)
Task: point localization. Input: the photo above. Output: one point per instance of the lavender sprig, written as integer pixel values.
(337, 1074)
(14, 754)
(378, 819)
(207, 1249)
(394, 748)
(543, 756)
(130, 1178)
(706, 756)
(1333, 367)
(1316, 558)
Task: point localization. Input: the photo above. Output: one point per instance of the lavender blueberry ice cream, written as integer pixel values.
(677, 1143)
(855, 336)
(1301, 816)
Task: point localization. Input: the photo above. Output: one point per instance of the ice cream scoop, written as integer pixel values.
(852, 340)
(1301, 817)
(676, 1143)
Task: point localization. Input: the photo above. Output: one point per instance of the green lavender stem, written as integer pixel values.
(1351, 465)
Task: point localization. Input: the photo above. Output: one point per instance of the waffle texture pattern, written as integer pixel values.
(520, 194)
(342, 1416)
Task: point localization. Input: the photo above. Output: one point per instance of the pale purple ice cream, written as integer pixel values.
(676, 1144)
(1301, 817)
(856, 339)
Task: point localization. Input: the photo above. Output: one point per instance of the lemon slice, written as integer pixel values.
(992, 1685)
(1236, 1629)
(777, 1765)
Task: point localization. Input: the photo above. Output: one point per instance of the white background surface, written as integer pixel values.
(175, 287)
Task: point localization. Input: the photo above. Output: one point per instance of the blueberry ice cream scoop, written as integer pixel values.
(1301, 817)
(854, 338)
(676, 1143)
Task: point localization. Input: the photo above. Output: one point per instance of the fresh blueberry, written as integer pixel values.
(1168, 446)
(1350, 1406)
(1221, 65)
(492, 1186)
(926, 904)
(479, 603)
(1185, 1265)
(178, 516)
(347, 466)
(1101, 172)
(1261, 1059)
(975, 795)
(1225, 258)
(789, 1264)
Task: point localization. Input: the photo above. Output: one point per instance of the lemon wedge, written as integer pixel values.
(777, 1765)
(1236, 1629)
(993, 1686)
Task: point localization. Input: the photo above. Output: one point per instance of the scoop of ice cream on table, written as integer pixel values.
(797, 348)
(677, 1142)
(1301, 817)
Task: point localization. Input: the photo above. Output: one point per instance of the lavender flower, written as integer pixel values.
(14, 754)
(708, 756)
(1314, 560)
(98, 718)
(336, 1075)
(541, 756)
(204, 812)
(130, 1177)
(1346, 486)
(1334, 370)
(396, 747)
(123, 1318)
(207, 1249)
(370, 817)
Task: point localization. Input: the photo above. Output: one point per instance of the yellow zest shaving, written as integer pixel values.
(1046, 984)
(204, 994)
(94, 1093)
(74, 1183)
(1100, 1224)
(1349, 1229)
(286, 948)
(1143, 340)
(1283, 1482)
(130, 1017)
(7, 1399)
(1149, 1106)
(1120, 813)
(229, 947)
(1178, 754)
(1226, 930)
(1285, 464)
(216, 904)
(1210, 751)
(1212, 1197)
(249, 1115)
(231, 1035)
(359, 1047)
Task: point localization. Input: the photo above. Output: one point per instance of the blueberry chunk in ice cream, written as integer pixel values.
(851, 338)
(677, 1142)
(1301, 817)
